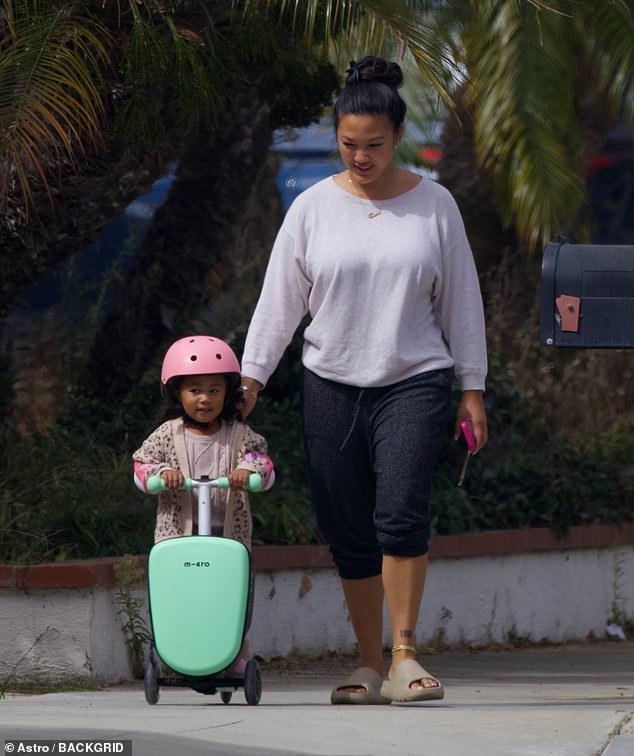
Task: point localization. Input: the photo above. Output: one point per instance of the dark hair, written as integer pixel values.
(171, 408)
(371, 88)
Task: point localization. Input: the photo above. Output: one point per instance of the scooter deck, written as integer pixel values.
(198, 589)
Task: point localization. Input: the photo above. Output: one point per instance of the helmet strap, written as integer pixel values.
(196, 423)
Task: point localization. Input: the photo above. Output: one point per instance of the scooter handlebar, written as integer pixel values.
(155, 484)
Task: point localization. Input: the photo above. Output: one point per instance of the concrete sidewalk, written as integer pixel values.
(573, 700)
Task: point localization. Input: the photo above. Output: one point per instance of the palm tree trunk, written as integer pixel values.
(188, 245)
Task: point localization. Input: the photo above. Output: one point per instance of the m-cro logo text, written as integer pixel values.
(196, 564)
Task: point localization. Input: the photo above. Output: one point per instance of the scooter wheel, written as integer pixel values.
(150, 683)
(225, 696)
(252, 683)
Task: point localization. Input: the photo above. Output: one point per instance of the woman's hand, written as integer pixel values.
(250, 390)
(471, 408)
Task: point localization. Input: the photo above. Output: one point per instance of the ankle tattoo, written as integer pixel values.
(408, 640)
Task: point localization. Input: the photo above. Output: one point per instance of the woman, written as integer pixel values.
(379, 259)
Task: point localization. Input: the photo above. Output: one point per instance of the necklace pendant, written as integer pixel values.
(374, 214)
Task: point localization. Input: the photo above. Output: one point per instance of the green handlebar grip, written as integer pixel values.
(155, 484)
(254, 484)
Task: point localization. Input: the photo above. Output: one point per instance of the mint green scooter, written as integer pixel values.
(200, 602)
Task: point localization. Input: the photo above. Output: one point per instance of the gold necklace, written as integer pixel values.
(373, 213)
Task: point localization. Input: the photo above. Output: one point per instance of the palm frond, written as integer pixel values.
(610, 46)
(173, 64)
(521, 58)
(195, 92)
(351, 28)
(50, 104)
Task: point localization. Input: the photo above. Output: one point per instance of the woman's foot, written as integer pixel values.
(402, 653)
(363, 686)
(408, 681)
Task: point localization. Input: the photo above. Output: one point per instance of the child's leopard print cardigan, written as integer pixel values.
(165, 449)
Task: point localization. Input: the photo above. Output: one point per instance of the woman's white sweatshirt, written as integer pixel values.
(390, 287)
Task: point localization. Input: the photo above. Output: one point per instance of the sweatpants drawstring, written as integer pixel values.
(357, 404)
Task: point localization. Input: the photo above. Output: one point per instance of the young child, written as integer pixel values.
(203, 434)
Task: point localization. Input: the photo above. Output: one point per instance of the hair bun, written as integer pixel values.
(372, 68)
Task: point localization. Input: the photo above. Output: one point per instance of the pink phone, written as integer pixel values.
(467, 432)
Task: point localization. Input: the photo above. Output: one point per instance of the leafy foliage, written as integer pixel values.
(534, 70)
(128, 575)
(533, 472)
(50, 77)
(69, 494)
(523, 77)
(73, 75)
(284, 514)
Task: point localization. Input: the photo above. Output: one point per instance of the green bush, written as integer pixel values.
(533, 472)
(69, 494)
(283, 514)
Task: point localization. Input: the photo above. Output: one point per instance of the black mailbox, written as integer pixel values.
(587, 296)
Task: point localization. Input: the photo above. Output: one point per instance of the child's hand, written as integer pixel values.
(173, 478)
(239, 479)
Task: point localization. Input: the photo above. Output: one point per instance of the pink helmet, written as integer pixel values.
(198, 355)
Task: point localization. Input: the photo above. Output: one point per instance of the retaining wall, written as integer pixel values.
(59, 622)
